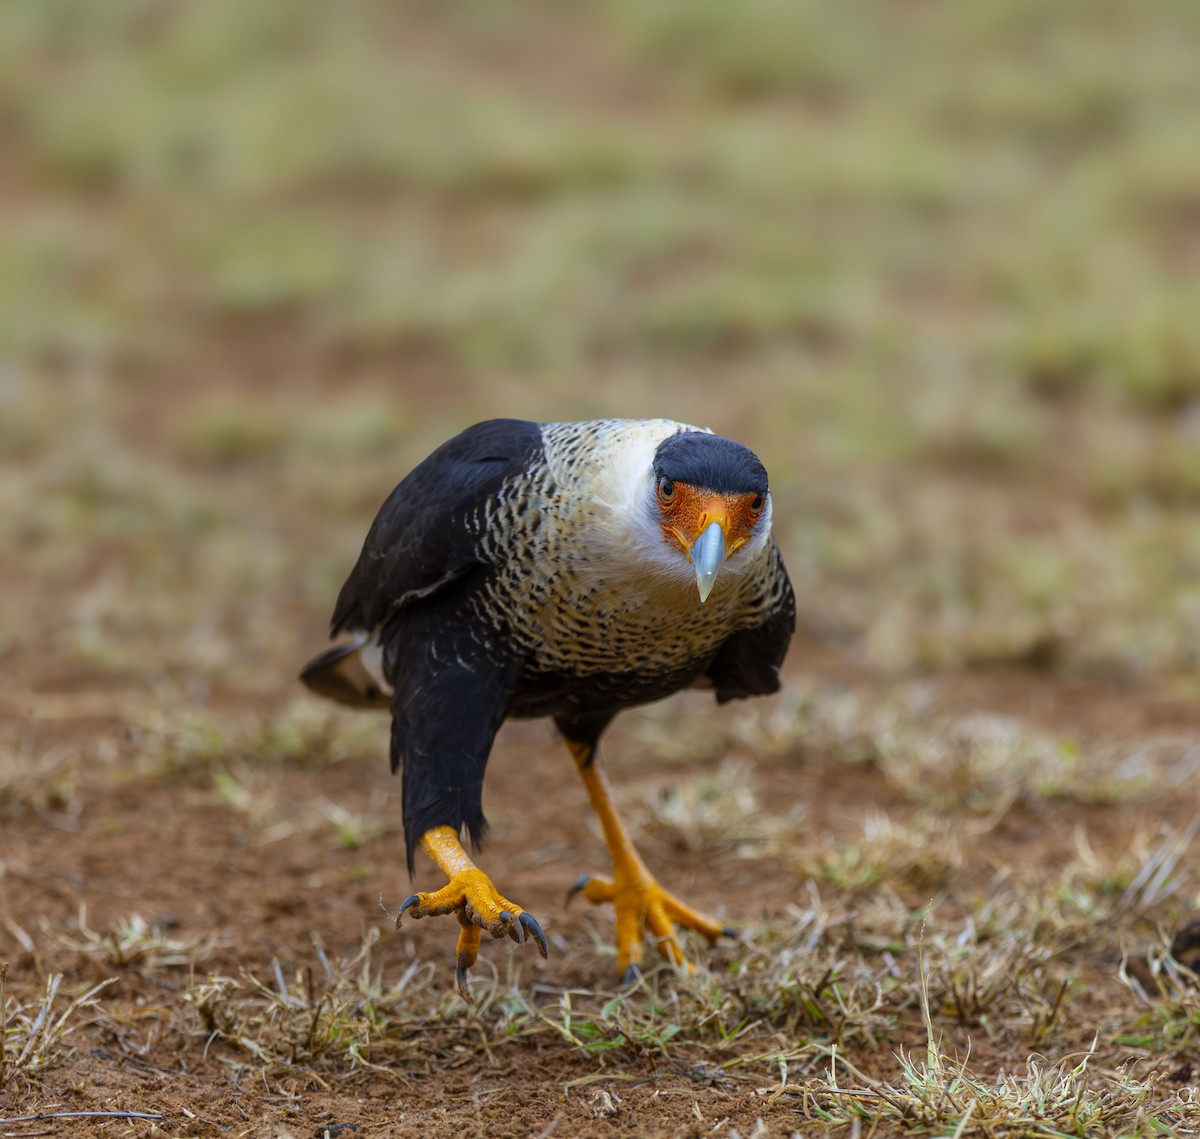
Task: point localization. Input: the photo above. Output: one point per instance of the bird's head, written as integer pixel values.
(712, 500)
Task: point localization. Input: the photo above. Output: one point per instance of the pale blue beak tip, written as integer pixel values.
(708, 554)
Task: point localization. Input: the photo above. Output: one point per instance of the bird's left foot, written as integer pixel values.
(479, 906)
(643, 906)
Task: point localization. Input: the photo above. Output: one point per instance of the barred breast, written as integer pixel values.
(583, 584)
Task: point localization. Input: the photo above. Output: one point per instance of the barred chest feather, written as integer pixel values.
(583, 582)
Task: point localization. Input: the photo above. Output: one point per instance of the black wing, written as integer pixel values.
(748, 663)
(420, 540)
(413, 582)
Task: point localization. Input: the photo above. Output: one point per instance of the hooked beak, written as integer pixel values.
(708, 554)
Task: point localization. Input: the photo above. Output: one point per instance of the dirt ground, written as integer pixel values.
(170, 851)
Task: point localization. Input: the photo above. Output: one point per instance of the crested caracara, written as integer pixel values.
(566, 570)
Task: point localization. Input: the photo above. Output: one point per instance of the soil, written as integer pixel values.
(169, 850)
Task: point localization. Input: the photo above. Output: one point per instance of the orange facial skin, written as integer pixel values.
(688, 510)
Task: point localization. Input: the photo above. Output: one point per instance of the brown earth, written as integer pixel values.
(170, 851)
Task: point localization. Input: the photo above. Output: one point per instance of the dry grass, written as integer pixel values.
(135, 945)
(33, 1033)
(36, 778)
(814, 999)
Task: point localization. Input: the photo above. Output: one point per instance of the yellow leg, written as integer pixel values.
(641, 903)
(471, 895)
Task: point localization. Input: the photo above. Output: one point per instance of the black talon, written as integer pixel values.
(405, 906)
(505, 916)
(580, 883)
(529, 922)
(460, 977)
(632, 974)
(736, 934)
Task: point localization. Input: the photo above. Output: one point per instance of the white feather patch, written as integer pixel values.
(371, 657)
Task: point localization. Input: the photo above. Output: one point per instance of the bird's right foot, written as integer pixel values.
(479, 906)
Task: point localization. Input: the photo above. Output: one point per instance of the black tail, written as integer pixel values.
(339, 674)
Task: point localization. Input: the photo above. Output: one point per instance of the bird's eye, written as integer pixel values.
(757, 503)
(666, 490)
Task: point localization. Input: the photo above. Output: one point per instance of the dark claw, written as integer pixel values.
(736, 934)
(529, 923)
(405, 906)
(632, 974)
(580, 883)
(460, 977)
(516, 931)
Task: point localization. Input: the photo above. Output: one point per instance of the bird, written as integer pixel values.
(565, 570)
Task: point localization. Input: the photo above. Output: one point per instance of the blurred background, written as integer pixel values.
(936, 263)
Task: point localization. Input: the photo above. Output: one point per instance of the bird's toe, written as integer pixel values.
(409, 903)
(578, 885)
(460, 979)
(644, 907)
(530, 924)
(594, 888)
(479, 906)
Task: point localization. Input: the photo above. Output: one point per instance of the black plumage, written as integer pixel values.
(425, 535)
(543, 570)
(710, 461)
